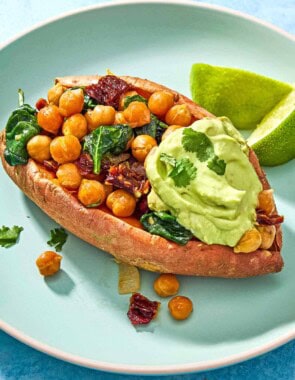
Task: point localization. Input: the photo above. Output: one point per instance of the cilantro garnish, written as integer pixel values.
(9, 236)
(183, 171)
(197, 142)
(58, 238)
(217, 165)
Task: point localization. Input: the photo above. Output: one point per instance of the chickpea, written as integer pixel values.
(100, 115)
(48, 263)
(169, 130)
(160, 102)
(141, 146)
(75, 125)
(137, 114)
(180, 307)
(121, 203)
(123, 97)
(179, 114)
(50, 119)
(166, 285)
(71, 102)
(65, 149)
(69, 176)
(54, 94)
(91, 193)
(119, 118)
(38, 148)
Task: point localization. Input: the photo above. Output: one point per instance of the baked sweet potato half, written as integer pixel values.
(43, 179)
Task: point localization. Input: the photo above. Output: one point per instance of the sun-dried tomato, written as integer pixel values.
(268, 220)
(51, 165)
(129, 176)
(141, 207)
(142, 310)
(85, 164)
(108, 90)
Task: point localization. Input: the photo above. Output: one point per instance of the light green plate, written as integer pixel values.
(78, 315)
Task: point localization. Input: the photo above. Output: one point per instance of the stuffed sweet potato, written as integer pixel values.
(88, 160)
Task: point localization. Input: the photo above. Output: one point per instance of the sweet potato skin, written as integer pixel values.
(130, 244)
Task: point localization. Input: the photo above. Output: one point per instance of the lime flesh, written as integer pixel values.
(242, 96)
(274, 138)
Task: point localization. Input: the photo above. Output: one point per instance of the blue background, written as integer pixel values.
(17, 361)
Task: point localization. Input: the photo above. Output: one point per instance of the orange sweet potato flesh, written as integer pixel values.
(123, 239)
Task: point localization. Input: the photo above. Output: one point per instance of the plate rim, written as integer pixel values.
(141, 369)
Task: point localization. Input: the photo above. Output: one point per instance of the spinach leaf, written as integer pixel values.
(155, 128)
(9, 236)
(20, 128)
(106, 139)
(217, 165)
(183, 171)
(134, 98)
(58, 237)
(165, 225)
(89, 103)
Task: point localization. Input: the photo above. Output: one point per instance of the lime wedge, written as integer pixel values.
(242, 96)
(274, 138)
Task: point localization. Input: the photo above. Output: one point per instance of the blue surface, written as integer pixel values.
(18, 361)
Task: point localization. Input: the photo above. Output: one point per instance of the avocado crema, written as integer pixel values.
(202, 175)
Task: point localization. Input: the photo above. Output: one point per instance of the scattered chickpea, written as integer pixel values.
(75, 125)
(119, 118)
(123, 97)
(65, 149)
(180, 307)
(166, 285)
(71, 102)
(141, 146)
(137, 114)
(121, 203)
(160, 102)
(169, 130)
(69, 176)
(91, 193)
(50, 119)
(266, 201)
(38, 148)
(249, 242)
(100, 115)
(48, 263)
(179, 115)
(54, 94)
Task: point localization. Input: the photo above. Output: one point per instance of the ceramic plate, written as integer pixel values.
(78, 315)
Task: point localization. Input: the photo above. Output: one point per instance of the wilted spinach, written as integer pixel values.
(155, 128)
(134, 98)
(111, 139)
(20, 128)
(165, 225)
(89, 103)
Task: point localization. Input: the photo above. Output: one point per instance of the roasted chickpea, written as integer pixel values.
(54, 94)
(71, 102)
(160, 102)
(123, 97)
(119, 118)
(75, 125)
(100, 115)
(69, 176)
(121, 203)
(38, 148)
(50, 119)
(48, 263)
(137, 114)
(141, 146)
(169, 130)
(166, 285)
(180, 307)
(91, 193)
(65, 149)
(179, 115)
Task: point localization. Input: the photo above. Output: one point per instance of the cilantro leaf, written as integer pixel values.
(197, 142)
(134, 98)
(217, 165)
(58, 238)
(9, 236)
(183, 171)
